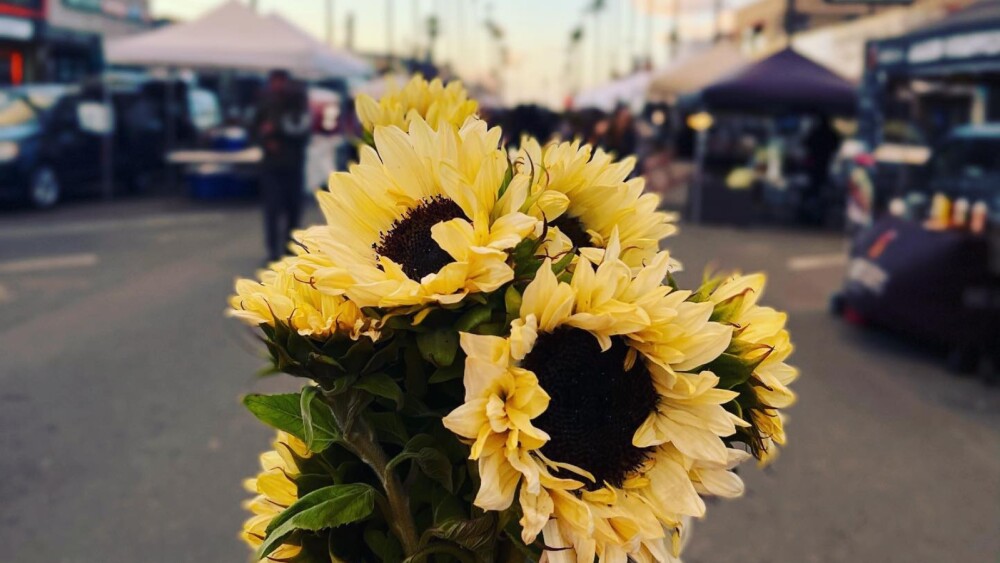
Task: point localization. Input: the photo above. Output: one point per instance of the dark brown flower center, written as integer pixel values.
(596, 404)
(573, 228)
(409, 243)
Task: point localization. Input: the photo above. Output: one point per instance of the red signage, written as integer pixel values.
(34, 9)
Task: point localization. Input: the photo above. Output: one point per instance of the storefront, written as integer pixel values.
(19, 36)
(61, 40)
(919, 86)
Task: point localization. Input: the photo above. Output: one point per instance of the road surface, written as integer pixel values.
(122, 438)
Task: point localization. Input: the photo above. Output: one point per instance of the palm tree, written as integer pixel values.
(596, 8)
(573, 54)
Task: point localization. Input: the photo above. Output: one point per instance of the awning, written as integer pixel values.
(785, 82)
(966, 42)
(630, 91)
(233, 36)
(694, 72)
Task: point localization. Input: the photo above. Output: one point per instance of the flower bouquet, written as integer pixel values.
(499, 365)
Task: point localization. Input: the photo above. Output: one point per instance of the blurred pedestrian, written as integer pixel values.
(621, 137)
(282, 126)
(821, 144)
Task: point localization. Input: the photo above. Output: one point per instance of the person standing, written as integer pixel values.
(821, 145)
(282, 125)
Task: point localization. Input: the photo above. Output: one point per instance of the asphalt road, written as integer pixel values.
(122, 439)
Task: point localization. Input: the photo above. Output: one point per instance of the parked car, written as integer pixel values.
(59, 141)
(51, 140)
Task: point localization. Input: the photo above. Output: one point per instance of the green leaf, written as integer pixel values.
(727, 310)
(305, 408)
(733, 370)
(382, 357)
(438, 347)
(508, 176)
(560, 265)
(328, 507)
(431, 461)
(382, 385)
(383, 545)
(390, 427)
(455, 552)
(477, 535)
(415, 366)
(473, 318)
(512, 302)
(300, 347)
(441, 375)
(284, 412)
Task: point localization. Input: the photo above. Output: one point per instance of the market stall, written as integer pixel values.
(930, 266)
(234, 36)
(767, 133)
(695, 71)
(229, 39)
(629, 91)
(919, 86)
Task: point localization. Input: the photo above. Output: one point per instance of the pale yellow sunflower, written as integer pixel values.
(557, 410)
(433, 102)
(286, 293)
(759, 337)
(584, 194)
(276, 490)
(413, 222)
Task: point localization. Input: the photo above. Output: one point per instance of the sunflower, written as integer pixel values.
(584, 194)
(760, 340)
(285, 293)
(412, 223)
(593, 422)
(276, 490)
(433, 102)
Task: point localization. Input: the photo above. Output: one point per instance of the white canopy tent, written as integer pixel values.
(233, 36)
(695, 71)
(630, 90)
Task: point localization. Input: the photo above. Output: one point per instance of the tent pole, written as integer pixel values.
(696, 194)
(171, 134)
(790, 17)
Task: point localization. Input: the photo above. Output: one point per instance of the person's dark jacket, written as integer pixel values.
(282, 126)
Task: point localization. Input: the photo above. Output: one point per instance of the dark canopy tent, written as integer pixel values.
(784, 83)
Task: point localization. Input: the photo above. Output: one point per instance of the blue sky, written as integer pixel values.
(537, 34)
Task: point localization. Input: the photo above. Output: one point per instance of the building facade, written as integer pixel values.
(61, 40)
(760, 26)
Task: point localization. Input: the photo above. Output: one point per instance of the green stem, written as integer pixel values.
(360, 439)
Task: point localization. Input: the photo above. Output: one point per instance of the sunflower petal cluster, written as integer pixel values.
(433, 102)
(500, 363)
(275, 490)
(761, 345)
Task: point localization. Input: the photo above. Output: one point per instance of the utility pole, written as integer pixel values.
(329, 23)
(416, 29)
(633, 25)
(717, 20)
(675, 31)
(790, 20)
(649, 33)
(388, 32)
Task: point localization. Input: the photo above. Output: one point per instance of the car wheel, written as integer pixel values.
(44, 191)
